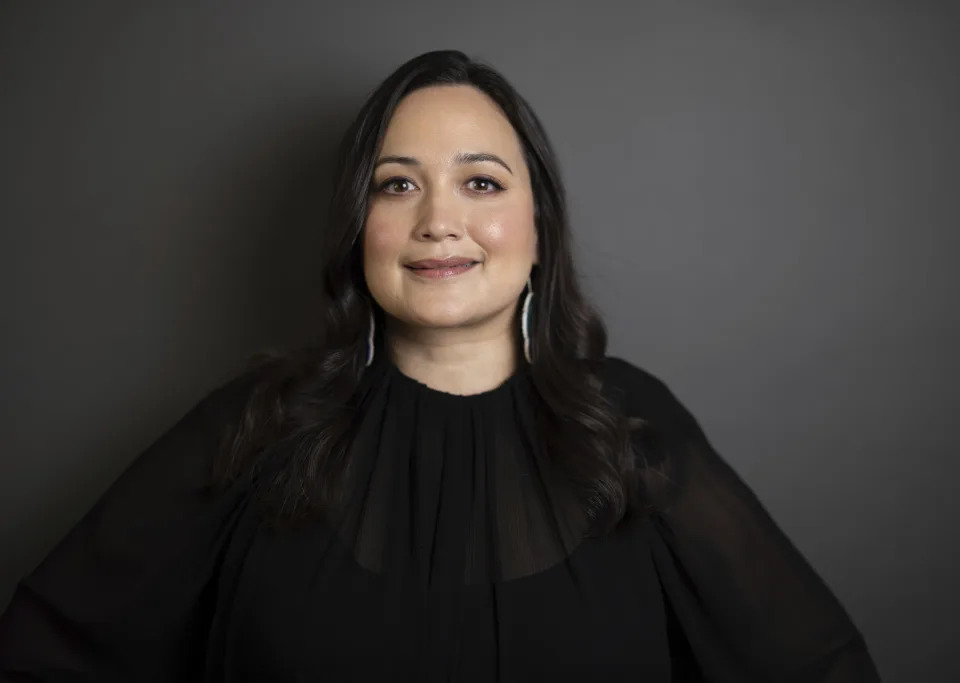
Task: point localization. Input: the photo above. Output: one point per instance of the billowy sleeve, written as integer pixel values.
(127, 594)
(748, 604)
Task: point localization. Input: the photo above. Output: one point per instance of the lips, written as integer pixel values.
(441, 269)
(433, 264)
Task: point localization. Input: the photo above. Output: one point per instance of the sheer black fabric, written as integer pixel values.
(460, 556)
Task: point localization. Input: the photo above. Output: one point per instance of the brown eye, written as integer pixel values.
(396, 186)
(483, 185)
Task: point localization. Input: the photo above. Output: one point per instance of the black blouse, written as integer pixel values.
(460, 557)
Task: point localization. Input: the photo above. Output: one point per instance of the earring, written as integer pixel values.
(370, 338)
(525, 320)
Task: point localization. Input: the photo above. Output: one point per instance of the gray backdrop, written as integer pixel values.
(764, 198)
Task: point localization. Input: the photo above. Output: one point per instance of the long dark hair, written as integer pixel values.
(300, 403)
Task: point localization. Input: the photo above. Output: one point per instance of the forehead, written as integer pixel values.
(439, 121)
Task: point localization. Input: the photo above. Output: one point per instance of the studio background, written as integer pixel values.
(764, 199)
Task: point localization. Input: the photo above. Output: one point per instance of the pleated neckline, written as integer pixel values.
(515, 382)
(449, 489)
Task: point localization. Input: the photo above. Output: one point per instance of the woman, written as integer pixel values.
(455, 483)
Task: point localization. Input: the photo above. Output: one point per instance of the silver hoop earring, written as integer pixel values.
(525, 320)
(373, 324)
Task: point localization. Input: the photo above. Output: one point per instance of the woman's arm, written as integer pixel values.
(750, 605)
(128, 593)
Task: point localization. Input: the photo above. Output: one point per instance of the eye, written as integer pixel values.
(396, 185)
(484, 185)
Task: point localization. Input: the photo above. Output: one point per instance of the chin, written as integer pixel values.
(440, 319)
(439, 314)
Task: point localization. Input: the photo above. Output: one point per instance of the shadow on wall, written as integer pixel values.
(243, 275)
(275, 198)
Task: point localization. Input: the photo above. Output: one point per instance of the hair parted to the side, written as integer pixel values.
(299, 416)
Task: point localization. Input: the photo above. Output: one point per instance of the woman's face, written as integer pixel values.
(450, 181)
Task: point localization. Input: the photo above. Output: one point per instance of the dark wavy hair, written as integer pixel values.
(296, 427)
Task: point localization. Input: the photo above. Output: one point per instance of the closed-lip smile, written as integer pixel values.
(449, 262)
(440, 269)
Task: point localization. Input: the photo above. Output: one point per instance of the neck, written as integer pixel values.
(455, 361)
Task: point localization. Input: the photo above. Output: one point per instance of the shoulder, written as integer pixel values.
(222, 401)
(636, 390)
(208, 418)
(228, 397)
(641, 394)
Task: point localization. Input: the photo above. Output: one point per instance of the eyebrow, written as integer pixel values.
(460, 159)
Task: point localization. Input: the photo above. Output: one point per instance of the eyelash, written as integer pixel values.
(497, 187)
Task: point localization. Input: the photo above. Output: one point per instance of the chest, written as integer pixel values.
(300, 607)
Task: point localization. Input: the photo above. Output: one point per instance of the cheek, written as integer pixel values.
(381, 241)
(509, 234)
(381, 246)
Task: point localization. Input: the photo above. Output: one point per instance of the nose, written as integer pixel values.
(439, 218)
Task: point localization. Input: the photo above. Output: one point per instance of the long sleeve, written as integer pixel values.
(745, 600)
(128, 593)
